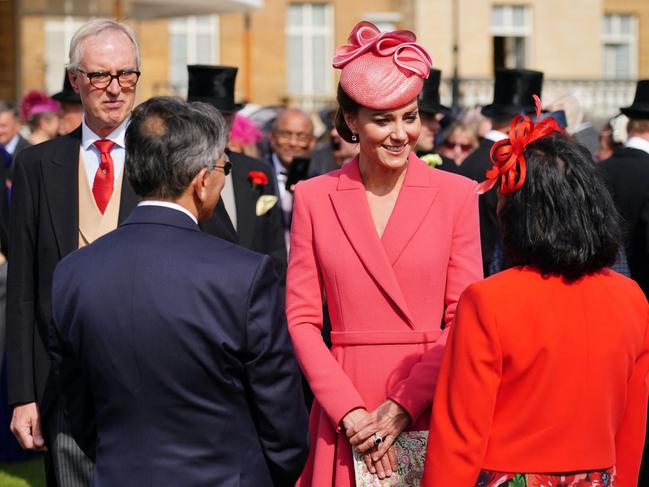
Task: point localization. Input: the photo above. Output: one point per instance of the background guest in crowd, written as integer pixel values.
(626, 174)
(607, 144)
(40, 112)
(431, 112)
(544, 380)
(194, 382)
(362, 235)
(62, 201)
(291, 135)
(247, 212)
(460, 142)
(513, 90)
(71, 111)
(10, 139)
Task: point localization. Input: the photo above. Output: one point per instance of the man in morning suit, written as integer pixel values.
(246, 211)
(626, 174)
(171, 346)
(67, 192)
(513, 90)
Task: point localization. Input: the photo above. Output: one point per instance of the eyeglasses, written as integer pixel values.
(452, 145)
(302, 137)
(227, 165)
(126, 78)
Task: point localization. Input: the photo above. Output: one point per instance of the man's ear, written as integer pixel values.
(200, 184)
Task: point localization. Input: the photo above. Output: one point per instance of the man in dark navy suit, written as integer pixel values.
(169, 345)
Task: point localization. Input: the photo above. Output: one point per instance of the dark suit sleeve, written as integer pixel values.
(273, 376)
(274, 236)
(21, 287)
(66, 370)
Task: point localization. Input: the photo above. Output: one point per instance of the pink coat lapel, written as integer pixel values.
(350, 204)
(414, 201)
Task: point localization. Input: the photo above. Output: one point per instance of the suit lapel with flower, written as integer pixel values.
(380, 255)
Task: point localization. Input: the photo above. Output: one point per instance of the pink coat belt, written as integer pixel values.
(388, 337)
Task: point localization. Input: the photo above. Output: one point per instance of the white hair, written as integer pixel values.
(97, 27)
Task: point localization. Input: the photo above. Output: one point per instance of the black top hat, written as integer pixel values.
(67, 95)
(429, 96)
(213, 85)
(640, 106)
(513, 90)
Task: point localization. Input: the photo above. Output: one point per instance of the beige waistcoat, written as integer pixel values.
(92, 224)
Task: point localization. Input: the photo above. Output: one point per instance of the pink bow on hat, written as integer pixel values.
(400, 44)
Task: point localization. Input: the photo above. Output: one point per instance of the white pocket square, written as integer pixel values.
(265, 203)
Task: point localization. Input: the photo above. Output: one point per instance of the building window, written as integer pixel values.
(58, 34)
(620, 46)
(192, 40)
(308, 51)
(511, 28)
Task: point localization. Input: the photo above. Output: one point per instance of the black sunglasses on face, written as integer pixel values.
(227, 165)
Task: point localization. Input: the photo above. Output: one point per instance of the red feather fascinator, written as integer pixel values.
(508, 155)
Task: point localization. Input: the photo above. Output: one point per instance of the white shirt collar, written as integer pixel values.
(88, 137)
(638, 143)
(11, 146)
(495, 135)
(280, 170)
(169, 204)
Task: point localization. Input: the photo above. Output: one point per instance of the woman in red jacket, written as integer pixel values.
(544, 379)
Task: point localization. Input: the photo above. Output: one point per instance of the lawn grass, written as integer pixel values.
(23, 474)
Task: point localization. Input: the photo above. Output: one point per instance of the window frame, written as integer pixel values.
(617, 38)
(306, 32)
(191, 28)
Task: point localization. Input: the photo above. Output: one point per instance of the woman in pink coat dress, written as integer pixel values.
(392, 244)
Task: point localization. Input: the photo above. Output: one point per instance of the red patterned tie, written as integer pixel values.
(102, 187)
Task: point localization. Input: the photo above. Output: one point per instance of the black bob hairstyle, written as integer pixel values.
(563, 220)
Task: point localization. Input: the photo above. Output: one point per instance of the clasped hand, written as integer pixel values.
(388, 420)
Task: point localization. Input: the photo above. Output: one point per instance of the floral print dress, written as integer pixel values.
(603, 478)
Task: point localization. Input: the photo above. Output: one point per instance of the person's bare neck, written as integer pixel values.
(102, 130)
(380, 180)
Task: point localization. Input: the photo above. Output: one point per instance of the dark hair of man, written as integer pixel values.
(563, 220)
(168, 142)
(345, 105)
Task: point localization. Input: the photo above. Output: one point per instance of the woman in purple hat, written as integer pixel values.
(391, 243)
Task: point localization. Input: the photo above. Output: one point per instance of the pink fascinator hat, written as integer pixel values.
(36, 102)
(382, 70)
